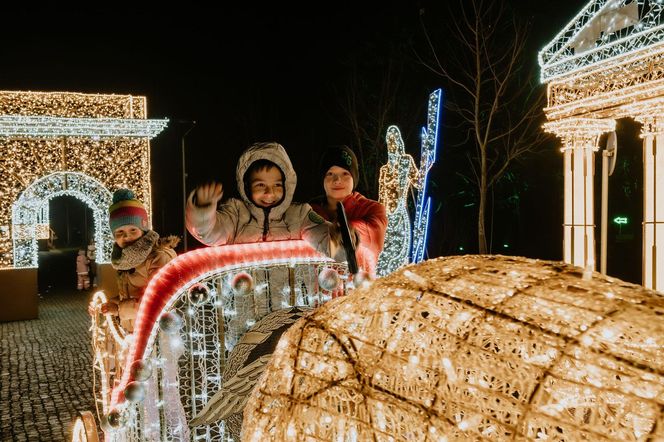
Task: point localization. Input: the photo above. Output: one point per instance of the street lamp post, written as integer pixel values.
(184, 183)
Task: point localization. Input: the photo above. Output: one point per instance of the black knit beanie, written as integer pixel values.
(343, 157)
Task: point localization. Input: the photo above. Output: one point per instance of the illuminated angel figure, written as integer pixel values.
(395, 179)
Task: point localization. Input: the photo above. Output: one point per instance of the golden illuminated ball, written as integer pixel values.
(470, 348)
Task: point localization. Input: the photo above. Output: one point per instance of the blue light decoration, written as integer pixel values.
(427, 158)
(396, 178)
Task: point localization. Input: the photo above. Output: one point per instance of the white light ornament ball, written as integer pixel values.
(135, 392)
(198, 294)
(114, 420)
(328, 279)
(242, 284)
(170, 323)
(141, 370)
(361, 279)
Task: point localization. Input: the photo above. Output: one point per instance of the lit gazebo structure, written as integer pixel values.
(607, 64)
(62, 143)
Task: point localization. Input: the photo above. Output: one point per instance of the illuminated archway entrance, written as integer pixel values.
(31, 210)
(606, 64)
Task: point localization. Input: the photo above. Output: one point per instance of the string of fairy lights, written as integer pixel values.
(29, 126)
(61, 143)
(395, 179)
(72, 105)
(427, 158)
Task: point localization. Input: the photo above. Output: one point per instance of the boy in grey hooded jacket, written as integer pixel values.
(265, 211)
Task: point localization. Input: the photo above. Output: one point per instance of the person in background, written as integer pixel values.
(92, 256)
(138, 253)
(367, 218)
(82, 269)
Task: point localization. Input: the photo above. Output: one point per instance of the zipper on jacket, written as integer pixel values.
(266, 223)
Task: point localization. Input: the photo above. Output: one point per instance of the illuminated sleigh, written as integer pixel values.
(150, 384)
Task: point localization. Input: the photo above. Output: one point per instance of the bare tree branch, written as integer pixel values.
(494, 101)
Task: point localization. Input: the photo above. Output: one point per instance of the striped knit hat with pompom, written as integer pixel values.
(127, 210)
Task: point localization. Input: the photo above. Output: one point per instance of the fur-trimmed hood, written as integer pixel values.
(133, 255)
(275, 153)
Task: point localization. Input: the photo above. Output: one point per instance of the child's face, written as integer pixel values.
(126, 235)
(267, 186)
(338, 183)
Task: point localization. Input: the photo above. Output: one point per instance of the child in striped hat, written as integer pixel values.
(137, 254)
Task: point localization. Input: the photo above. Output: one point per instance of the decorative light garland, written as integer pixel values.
(613, 81)
(109, 347)
(579, 132)
(88, 167)
(30, 126)
(427, 158)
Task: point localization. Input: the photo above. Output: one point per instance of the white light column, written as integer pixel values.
(652, 133)
(579, 136)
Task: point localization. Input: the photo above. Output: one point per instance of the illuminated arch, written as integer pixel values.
(31, 210)
(65, 135)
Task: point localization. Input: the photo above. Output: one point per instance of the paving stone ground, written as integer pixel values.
(46, 370)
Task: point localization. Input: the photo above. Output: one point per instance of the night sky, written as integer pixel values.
(277, 72)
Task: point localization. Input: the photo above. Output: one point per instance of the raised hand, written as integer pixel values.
(109, 308)
(209, 194)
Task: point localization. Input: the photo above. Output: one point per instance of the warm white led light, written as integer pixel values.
(607, 64)
(61, 143)
(396, 177)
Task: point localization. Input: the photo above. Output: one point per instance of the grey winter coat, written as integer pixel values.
(241, 221)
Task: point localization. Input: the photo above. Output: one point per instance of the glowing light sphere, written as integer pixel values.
(170, 323)
(361, 278)
(141, 370)
(114, 420)
(242, 284)
(328, 279)
(135, 391)
(470, 348)
(198, 294)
